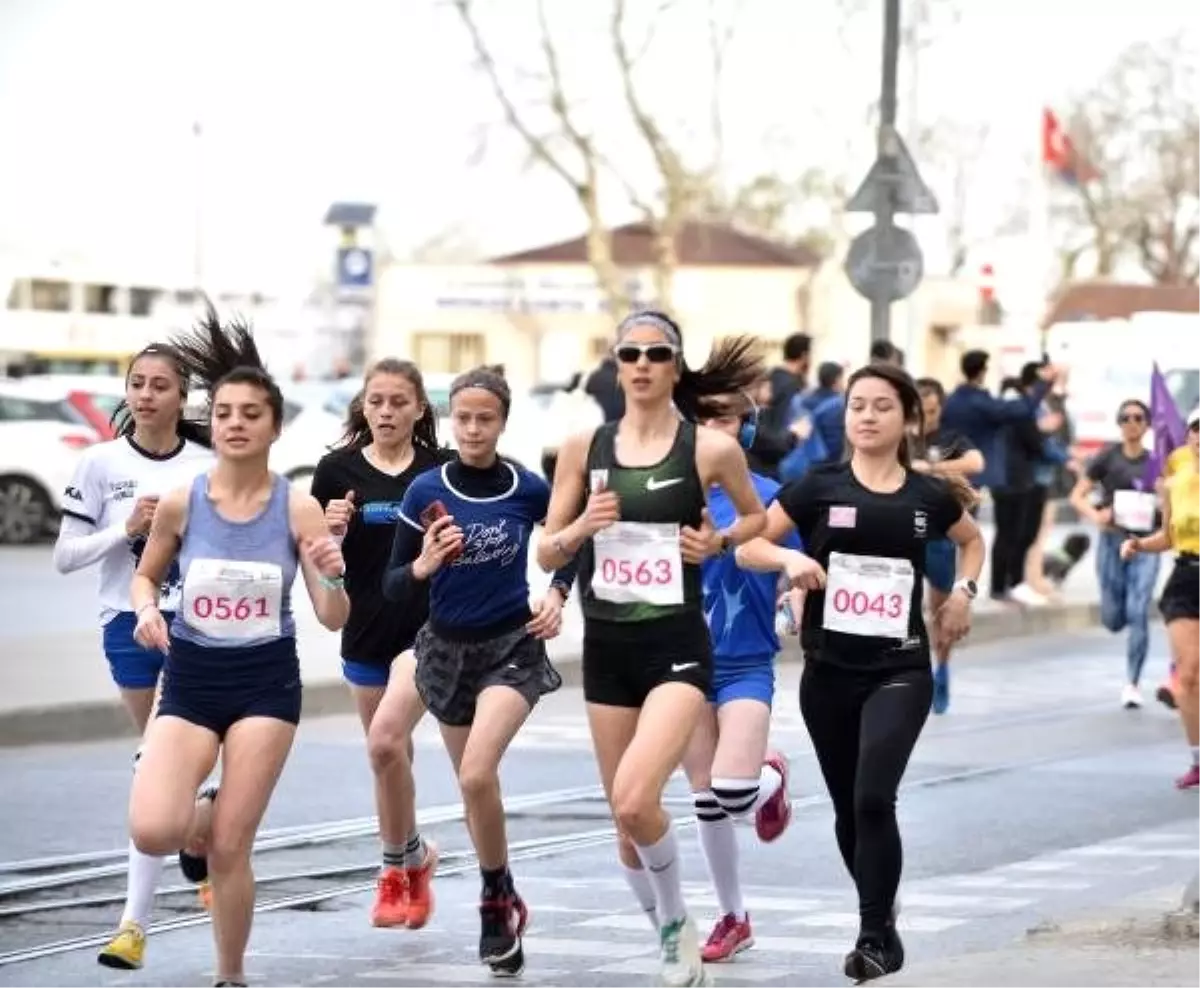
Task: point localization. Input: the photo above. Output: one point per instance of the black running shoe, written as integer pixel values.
(195, 868)
(872, 958)
(502, 921)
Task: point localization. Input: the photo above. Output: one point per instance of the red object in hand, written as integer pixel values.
(431, 514)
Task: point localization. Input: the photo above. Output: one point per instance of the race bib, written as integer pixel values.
(1134, 510)
(638, 563)
(868, 595)
(233, 601)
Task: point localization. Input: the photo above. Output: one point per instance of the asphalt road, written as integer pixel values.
(1035, 797)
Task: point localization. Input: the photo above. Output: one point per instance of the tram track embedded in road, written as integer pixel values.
(461, 862)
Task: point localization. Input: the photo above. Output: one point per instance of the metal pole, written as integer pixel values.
(885, 214)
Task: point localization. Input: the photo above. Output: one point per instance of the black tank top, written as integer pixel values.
(668, 492)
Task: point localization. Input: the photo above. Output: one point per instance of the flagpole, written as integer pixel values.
(1045, 276)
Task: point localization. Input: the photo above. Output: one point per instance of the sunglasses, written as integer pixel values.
(1125, 419)
(656, 353)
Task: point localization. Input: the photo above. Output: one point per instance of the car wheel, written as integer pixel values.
(301, 479)
(25, 511)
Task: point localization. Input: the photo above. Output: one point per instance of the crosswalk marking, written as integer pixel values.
(757, 904)
(535, 943)
(1019, 884)
(850, 921)
(739, 972)
(933, 900)
(455, 974)
(1126, 851)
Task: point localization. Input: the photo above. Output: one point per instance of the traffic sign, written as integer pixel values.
(354, 268)
(895, 173)
(885, 263)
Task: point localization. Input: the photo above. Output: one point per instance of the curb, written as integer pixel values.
(102, 720)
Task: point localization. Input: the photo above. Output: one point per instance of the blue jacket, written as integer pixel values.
(982, 418)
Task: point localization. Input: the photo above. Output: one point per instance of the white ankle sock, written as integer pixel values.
(144, 873)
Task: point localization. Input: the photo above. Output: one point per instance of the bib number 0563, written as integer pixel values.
(643, 573)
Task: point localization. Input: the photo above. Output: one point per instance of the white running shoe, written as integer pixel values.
(1026, 596)
(682, 965)
(1131, 697)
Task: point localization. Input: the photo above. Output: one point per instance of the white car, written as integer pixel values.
(41, 439)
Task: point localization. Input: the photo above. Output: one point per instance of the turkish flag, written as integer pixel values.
(1059, 153)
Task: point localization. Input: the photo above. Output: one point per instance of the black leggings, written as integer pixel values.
(864, 726)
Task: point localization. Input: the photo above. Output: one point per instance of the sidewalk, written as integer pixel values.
(56, 684)
(1148, 940)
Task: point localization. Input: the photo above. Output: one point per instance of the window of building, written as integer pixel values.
(51, 296)
(100, 298)
(447, 353)
(141, 301)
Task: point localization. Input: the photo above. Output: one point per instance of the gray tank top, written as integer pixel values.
(237, 576)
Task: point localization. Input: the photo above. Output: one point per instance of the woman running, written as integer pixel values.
(1180, 603)
(866, 687)
(481, 658)
(231, 679)
(106, 518)
(643, 534)
(730, 770)
(390, 440)
(1112, 494)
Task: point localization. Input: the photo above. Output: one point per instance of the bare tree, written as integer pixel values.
(575, 153)
(1136, 135)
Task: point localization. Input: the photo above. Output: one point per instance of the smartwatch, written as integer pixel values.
(969, 587)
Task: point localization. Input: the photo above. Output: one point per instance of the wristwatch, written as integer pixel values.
(969, 587)
(726, 544)
(564, 589)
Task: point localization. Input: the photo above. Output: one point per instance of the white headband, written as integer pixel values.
(635, 319)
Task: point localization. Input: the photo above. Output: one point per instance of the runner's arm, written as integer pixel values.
(764, 554)
(722, 462)
(398, 579)
(1159, 541)
(561, 537)
(79, 544)
(329, 599)
(161, 547)
(966, 535)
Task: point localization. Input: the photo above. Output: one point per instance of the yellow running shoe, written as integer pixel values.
(126, 950)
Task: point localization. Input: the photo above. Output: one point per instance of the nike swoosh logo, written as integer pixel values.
(658, 485)
(683, 666)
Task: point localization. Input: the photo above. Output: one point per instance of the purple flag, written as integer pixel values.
(1170, 432)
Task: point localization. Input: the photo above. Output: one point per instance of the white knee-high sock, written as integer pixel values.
(661, 860)
(719, 843)
(144, 874)
(643, 891)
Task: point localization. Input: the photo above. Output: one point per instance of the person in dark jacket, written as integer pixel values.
(826, 403)
(602, 385)
(980, 416)
(1017, 498)
(788, 381)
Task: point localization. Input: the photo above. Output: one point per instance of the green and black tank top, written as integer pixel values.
(668, 492)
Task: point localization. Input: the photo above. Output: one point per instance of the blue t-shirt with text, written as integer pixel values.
(739, 604)
(489, 582)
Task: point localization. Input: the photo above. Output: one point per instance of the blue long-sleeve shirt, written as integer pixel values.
(982, 418)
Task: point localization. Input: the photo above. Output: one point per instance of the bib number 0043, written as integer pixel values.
(869, 596)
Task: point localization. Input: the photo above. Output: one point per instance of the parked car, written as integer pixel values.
(41, 439)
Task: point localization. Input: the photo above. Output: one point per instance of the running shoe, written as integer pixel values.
(1190, 779)
(420, 888)
(127, 950)
(772, 818)
(502, 923)
(941, 688)
(1166, 693)
(729, 937)
(679, 953)
(872, 958)
(391, 899)
(1131, 697)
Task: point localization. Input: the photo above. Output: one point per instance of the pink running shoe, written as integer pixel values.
(728, 938)
(1190, 779)
(773, 817)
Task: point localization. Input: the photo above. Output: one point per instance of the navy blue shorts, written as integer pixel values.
(216, 687)
(372, 675)
(743, 678)
(132, 667)
(941, 563)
